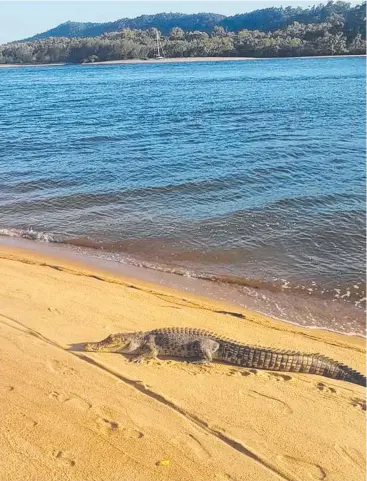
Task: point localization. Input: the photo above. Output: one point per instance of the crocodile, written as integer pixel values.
(205, 346)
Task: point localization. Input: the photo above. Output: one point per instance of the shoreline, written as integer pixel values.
(83, 265)
(83, 415)
(282, 306)
(174, 60)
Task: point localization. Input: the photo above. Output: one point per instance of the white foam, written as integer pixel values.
(28, 234)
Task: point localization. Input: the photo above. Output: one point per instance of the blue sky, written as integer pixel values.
(21, 19)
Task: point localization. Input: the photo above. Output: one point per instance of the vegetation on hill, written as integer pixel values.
(331, 29)
(265, 20)
(164, 22)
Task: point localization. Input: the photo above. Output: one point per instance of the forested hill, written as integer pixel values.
(265, 20)
(339, 30)
(164, 22)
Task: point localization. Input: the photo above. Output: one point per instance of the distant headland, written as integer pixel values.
(336, 28)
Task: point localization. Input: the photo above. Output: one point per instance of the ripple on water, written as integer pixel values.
(215, 171)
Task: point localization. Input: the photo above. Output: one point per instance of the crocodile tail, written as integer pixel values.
(288, 361)
(348, 374)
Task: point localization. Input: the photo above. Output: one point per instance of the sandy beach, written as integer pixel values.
(169, 60)
(74, 415)
(137, 60)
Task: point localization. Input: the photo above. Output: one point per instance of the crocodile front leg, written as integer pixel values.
(148, 350)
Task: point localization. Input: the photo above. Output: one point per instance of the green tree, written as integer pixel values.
(219, 32)
(331, 29)
(177, 34)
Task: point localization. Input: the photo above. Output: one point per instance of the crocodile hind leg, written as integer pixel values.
(147, 351)
(205, 349)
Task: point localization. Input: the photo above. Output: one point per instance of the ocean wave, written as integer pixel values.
(101, 138)
(31, 234)
(26, 186)
(137, 252)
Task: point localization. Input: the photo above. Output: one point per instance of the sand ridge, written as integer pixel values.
(75, 415)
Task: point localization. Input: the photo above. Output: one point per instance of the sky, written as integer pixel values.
(22, 19)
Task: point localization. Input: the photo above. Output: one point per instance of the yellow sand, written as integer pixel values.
(69, 415)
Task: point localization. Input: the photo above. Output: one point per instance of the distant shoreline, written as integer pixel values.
(170, 60)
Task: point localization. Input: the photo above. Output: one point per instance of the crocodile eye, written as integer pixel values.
(116, 338)
(110, 339)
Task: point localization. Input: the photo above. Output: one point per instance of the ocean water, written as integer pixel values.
(248, 174)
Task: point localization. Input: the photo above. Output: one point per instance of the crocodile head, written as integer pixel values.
(112, 343)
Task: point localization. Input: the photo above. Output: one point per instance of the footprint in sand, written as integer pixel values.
(359, 403)
(28, 421)
(71, 401)
(60, 367)
(6, 388)
(223, 477)
(242, 372)
(106, 425)
(279, 377)
(63, 458)
(325, 388)
(55, 310)
(303, 469)
(132, 433)
(260, 373)
(58, 396)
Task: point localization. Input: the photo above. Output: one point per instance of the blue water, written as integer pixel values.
(245, 172)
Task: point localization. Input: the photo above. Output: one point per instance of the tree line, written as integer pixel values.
(265, 20)
(331, 37)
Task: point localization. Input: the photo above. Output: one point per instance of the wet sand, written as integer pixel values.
(69, 414)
